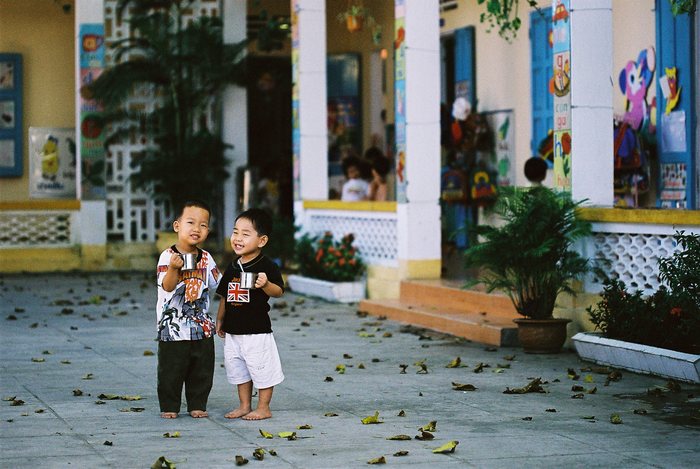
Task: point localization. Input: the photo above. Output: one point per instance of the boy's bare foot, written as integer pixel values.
(198, 414)
(258, 414)
(236, 413)
(168, 415)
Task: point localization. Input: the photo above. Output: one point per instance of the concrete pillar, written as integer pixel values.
(417, 95)
(592, 101)
(91, 223)
(234, 119)
(309, 96)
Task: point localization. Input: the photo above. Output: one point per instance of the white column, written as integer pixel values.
(419, 214)
(592, 101)
(234, 117)
(92, 226)
(309, 45)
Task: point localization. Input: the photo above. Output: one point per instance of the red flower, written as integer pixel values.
(676, 311)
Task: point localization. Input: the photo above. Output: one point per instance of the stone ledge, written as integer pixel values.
(342, 292)
(638, 358)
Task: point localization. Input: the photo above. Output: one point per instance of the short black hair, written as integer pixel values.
(350, 161)
(261, 220)
(535, 169)
(382, 165)
(194, 203)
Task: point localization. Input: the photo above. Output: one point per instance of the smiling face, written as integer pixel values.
(192, 228)
(246, 241)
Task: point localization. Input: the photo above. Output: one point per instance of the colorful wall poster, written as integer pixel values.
(400, 98)
(503, 122)
(92, 153)
(561, 87)
(52, 163)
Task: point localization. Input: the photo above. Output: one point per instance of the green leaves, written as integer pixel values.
(448, 447)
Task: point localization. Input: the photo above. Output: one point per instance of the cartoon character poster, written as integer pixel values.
(52, 163)
(400, 100)
(635, 80)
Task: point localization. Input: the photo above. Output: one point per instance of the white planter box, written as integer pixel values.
(638, 358)
(341, 292)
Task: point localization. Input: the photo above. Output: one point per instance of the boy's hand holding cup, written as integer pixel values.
(261, 281)
(176, 261)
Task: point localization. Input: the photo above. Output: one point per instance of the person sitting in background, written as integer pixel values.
(378, 186)
(355, 188)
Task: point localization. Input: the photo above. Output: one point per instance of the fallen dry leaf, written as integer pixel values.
(615, 419)
(361, 366)
(38, 360)
(398, 437)
(402, 413)
(240, 460)
(379, 460)
(571, 373)
(77, 392)
(265, 434)
(171, 435)
(576, 388)
(340, 369)
(550, 410)
(330, 414)
(430, 427)
(304, 427)
(448, 447)
(640, 411)
(423, 369)
(163, 463)
(9, 398)
(259, 454)
(401, 453)
(510, 358)
(371, 419)
(88, 376)
(463, 387)
(148, 353)
(107, 443)
(288, 435)
(132, 409)
(533, 386)
(65, 362)
(527, 419)
(403, 369)
(425, 436)
(456, 363)
(577, 396)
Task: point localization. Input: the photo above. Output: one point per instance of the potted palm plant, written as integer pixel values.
(184, 66)
(530, 257)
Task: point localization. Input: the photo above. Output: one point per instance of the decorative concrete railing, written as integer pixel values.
(38, 224)
(374, 225)
(632, 242)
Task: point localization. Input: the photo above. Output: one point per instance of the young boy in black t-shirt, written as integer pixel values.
(250, 352)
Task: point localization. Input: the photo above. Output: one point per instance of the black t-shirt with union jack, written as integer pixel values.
(247, 310)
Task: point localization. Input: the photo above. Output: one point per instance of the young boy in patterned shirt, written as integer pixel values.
(185, 329)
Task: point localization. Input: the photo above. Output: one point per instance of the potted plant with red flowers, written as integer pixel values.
(328, 268)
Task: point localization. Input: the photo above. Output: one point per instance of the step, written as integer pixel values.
(484, 327)
(446, 294)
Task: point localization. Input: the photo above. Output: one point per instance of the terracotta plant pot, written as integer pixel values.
(542, 335)
(354, 23)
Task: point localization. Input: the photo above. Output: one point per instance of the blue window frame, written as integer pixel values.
(675, 48)
(11, 115)
(541, 71)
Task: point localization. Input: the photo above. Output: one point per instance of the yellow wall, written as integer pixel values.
(44, 35)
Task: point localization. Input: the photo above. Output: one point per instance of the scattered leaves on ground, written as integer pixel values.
(108, 443)
(398, 437)
(328, 379)
(171, 435)
(379, 460)
(571, 374)
(65, 362)
(640, 411)
(77, 392)
(240, 460)
(401, 453)
(132, 409)
(288, 435)
(265, 434)
(615, 419)
(330, 414)
(402, 413)
(148, 353)
(38, 360)
(88, 376)
(403, 369)
(304, 427)
(340, 369)
(259, 454)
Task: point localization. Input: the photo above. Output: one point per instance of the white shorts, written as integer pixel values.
(252, 357)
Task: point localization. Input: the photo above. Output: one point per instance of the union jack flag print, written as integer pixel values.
(236, 294)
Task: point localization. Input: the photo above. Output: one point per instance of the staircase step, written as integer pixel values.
(443, 294)
(484, 327)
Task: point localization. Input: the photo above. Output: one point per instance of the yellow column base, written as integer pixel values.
(385, 282)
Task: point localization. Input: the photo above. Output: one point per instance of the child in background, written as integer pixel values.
(355, 188)
(185, 329)
(250, 353)
(380, 168)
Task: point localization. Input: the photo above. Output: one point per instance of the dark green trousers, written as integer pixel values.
(188, 362)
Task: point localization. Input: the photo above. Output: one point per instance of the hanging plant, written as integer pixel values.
(356, 16)
(504, 16)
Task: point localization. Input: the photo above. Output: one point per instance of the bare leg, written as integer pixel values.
(245, 394)
(168, 415)
(263, 409)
